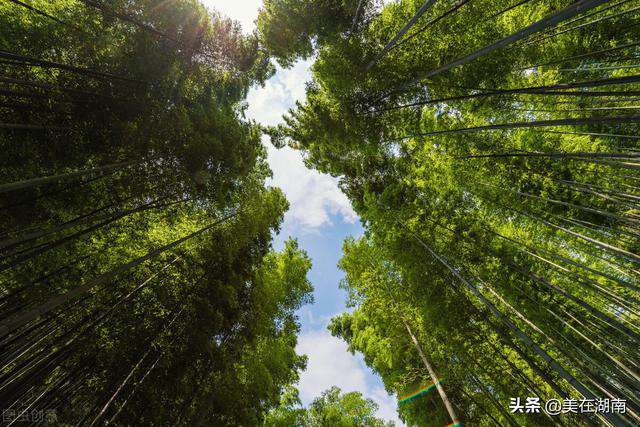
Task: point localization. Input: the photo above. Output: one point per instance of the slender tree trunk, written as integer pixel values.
(50, 64)
(583, 55)
(37, 11)
(433, 21)
(356, 16)
(503, 11)
(20, 185)
(586, 24)
(547, 22)
(35, 251)
(128, 377)
(135, 387)
(523, 337)
(9, 325)
(534, 124)
(128, 19)
(390, 45)
(559, 89)
(432, 374)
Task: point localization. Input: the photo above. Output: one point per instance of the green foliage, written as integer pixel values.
(499, 198)
(288, 413)
(345, 410)
(138, 282)
(293, 29)
(330, 409)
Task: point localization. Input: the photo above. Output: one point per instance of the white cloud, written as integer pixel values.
(268, 104)
(243, 11)
(313, 196)
(296, 77)
(386, 405)
(331, 364)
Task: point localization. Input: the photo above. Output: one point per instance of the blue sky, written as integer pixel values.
(320, 217)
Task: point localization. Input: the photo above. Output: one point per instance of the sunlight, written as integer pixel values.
(243, 11)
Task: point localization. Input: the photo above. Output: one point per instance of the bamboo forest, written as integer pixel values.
(490, 149)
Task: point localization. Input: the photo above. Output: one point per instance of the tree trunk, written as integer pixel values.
(432, 374)
(9, 325)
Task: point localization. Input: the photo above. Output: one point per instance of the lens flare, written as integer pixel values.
(417, 393)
